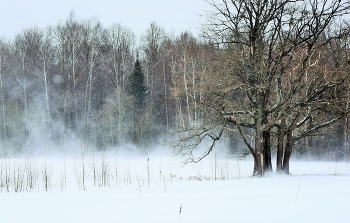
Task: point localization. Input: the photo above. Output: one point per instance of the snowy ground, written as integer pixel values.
(118, 188)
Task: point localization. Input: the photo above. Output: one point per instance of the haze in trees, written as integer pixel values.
(274, 81)
(267, 78)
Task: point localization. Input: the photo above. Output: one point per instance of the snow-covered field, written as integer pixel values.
(110, 187)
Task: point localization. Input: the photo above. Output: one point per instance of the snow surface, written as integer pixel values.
(215, 190)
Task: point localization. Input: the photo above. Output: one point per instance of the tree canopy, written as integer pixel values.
(274, 77)
(266, 78)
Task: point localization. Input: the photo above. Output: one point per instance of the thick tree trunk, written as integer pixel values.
(280, 148)
(260, 136)
(288, 152)
(262, 158)
(259, 163)
(267, 151)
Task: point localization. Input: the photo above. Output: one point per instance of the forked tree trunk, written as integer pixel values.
(262, 157)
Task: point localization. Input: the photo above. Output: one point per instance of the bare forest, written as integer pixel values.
(265, 78)
(70, 81)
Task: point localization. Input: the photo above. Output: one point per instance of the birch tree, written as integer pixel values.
(3, 106)
(118, 42)
(69, 39)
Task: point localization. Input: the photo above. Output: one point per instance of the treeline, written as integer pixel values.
(70, 81)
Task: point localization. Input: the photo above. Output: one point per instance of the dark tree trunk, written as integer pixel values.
(287, 152)
(258, 165)
(259, 150)
(280, 148)
(267, 151)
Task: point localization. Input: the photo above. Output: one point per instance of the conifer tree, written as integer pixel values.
(136, 85)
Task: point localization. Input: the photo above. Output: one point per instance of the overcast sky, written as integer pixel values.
(173, 15)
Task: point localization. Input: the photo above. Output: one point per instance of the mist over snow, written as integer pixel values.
(113, 187)
(121, 111)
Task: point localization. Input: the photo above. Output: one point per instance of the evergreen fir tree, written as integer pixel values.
(136, 86)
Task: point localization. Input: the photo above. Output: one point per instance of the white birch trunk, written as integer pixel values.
(3, 102)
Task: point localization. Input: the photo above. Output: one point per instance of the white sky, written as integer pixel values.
(173, 15)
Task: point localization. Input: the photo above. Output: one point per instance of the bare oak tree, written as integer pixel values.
(272, 74)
